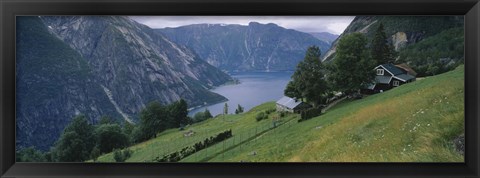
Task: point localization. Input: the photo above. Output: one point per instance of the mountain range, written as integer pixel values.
(255, 47)
(325, 36)
(96, 66)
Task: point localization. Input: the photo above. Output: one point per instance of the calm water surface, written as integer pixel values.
(255, 88)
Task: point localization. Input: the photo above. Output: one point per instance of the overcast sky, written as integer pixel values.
(331, 24)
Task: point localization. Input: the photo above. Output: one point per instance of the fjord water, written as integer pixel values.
(254, 88)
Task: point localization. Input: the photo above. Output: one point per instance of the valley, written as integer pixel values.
(114, 89)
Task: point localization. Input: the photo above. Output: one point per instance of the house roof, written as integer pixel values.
(404, 77)
(383, 79)
(407, 68)
(391, 68)
(288, 102)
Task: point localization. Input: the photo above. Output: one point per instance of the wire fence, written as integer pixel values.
(241, 140)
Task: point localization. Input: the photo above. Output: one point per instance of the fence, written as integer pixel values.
(241, 140)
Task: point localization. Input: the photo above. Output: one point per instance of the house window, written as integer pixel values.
(396, 83)
(379, 71)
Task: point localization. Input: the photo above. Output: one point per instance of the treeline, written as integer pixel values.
(436, 54)
(82, 141)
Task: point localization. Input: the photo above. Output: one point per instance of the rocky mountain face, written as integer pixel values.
(99, 65)
(325, 36)
(402, 30)
(256, 47)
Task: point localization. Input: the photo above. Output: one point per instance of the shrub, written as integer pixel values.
(270, 110)
(189, 150)
(122, 156)
(261, 116)
(310, 113)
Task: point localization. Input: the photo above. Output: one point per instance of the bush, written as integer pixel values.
(201, 116)
(270, 111)
(310, 113)
(261, 116)
(189, 150)
(122, 156)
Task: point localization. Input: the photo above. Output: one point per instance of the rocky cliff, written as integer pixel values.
(99, 65)
(245, 48)
(402, 30)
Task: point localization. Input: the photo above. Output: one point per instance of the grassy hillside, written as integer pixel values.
(172, 140)
(416, 122)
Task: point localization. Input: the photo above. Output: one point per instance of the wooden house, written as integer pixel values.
(291, 105)
(389, 76)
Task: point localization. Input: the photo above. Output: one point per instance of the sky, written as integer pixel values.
(331, 24)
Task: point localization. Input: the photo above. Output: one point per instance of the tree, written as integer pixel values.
(109, 137)
(128, 128)
(105, 120)
(153, 119)
(95, 153)
(382, 51)
(207, 113)
(121, 156)
(239, 109)
(30, 154)
(308, 81)
(225, 109)
(201, 116)
(178, 113)
(76, 142)
(352, 68)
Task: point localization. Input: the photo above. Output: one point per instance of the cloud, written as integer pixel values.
(331, 24)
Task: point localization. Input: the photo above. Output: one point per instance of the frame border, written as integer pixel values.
(10, 8)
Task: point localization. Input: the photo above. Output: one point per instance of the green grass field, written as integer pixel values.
(415, 122)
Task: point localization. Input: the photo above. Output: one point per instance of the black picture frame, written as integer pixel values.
(11, 8)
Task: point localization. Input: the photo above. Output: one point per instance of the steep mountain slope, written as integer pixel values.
(99, 65)
(402, 30)
(137, 65)
(54, 83)
(325, 36)
(245, 48)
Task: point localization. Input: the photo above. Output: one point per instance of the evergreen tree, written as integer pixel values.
(352, 68)
(76, 142)
(382, 51)
(178, 113)
(308, 81)
(239, 109)
(225, 109)
(207, 114)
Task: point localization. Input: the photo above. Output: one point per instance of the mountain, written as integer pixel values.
(256, 47)
(325, 36)
(401, 30)
(100, 65)
(54, 83)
